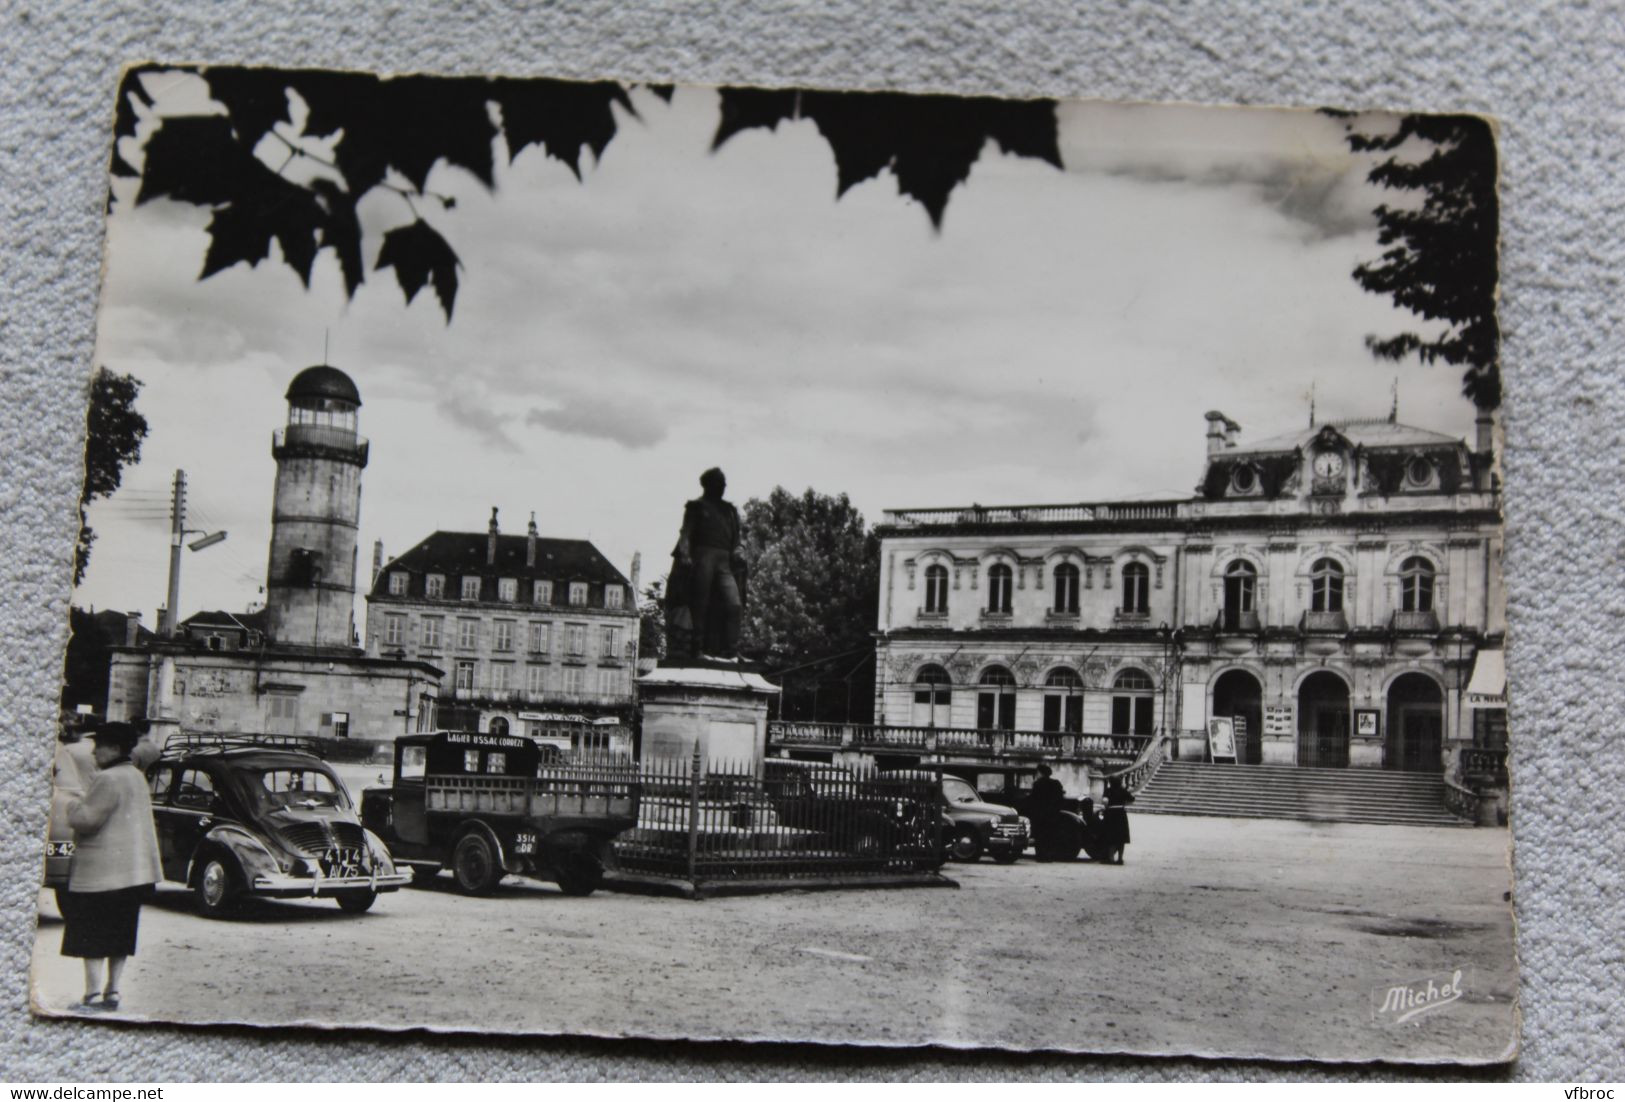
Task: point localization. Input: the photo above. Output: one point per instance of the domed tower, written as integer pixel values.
(310, 583)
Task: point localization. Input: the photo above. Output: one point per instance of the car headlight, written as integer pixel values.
(1026, 825)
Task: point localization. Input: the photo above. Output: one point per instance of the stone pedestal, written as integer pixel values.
(723, 710)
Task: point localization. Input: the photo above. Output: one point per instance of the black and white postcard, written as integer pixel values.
(802, 565)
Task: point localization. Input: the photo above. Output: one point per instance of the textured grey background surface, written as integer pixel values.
(1551, 72)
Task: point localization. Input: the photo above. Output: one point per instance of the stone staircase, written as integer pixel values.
(1291, 792)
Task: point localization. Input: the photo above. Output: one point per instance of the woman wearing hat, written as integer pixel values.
(115, 863)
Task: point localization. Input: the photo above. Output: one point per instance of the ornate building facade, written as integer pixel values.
(536, 636)
(1334, 593)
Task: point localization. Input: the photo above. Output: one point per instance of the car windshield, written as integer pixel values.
(958, 792)
(295, 786)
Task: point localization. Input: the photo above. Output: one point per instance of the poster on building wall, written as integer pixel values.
(1366, 722)
(1278, 721)
(804, 400)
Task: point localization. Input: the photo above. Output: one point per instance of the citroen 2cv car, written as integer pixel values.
(487, 805)
(248, 816)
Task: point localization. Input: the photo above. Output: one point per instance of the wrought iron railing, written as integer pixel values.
(1236, 621)
(724, 821)
(1427, 621)
(1021, 514)
(1461, 801)
(1324, 621)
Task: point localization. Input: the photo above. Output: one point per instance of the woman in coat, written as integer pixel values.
(115, 863)
(1114, 821)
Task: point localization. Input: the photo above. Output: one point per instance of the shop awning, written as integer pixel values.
(1487, 688)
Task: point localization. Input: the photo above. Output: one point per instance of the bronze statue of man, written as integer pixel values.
(706, 587)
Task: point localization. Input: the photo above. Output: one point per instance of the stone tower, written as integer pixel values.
(315, 513)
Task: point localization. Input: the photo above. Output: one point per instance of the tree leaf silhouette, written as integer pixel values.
(560, 116)
(419, 255)
(929, 142)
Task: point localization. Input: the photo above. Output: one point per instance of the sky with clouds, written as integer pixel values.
(1057, 341)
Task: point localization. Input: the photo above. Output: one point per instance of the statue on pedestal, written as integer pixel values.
(705, 592)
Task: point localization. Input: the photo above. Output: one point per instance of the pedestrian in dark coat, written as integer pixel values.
(1114, 821)
(1044, 808)
(115, 864)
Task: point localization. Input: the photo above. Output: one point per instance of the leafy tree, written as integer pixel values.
(392, 132)
(652, 620)
(814, 593)
(1440, 259)
(113, 435)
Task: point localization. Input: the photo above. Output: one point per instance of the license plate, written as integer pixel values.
(342, 862)
(524, 843)
(59, 849)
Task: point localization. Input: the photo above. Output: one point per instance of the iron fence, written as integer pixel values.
(790, 819)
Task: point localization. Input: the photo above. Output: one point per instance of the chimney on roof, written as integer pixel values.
(637, 571)
(530, 542)
(132, 629)
(1221, 432)
(377, 560)
(1485, 424)
(491, 539)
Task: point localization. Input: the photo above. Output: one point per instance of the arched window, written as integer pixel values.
(936, 589)
(1132, 703)
(1240, 594)
(1066, 588)
(1326, 586)
(996, 700)
(998, 588)
(1136, 588)
(499, 726)
(1063, 701)
(933, 695)
(1416, 585)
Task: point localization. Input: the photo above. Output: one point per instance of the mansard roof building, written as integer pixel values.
(533, 632)
(1329, 591)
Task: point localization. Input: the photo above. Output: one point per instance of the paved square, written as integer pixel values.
(1224, 937)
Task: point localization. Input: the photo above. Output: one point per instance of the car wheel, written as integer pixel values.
(474, 865)
(580, 874)
(967, 845)
(216, 887)
(356, 902)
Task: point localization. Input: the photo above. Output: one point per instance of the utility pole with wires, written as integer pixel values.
(178, 532)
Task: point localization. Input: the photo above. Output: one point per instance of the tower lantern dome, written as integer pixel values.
(322, 382)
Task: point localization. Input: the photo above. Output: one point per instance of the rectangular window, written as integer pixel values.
(578, 593)
(606, 682)
(282, 714)
(434, 585)
(502, 635)
(610, 643)
(574, 680)
(431, 630)
(501, 675)
(465, 677)
(507, 589)
(397, 583)
(539, 638)
(614, 596)
(471, 588)
(394, 630)
(536, 681)
(577, 636)
(468, 634)
(542, 593)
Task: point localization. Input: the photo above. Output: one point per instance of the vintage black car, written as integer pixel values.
(978, 827)
(867, 817)
(487, 805)
(245, 816)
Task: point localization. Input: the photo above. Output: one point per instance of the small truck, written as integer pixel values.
(485, 805)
